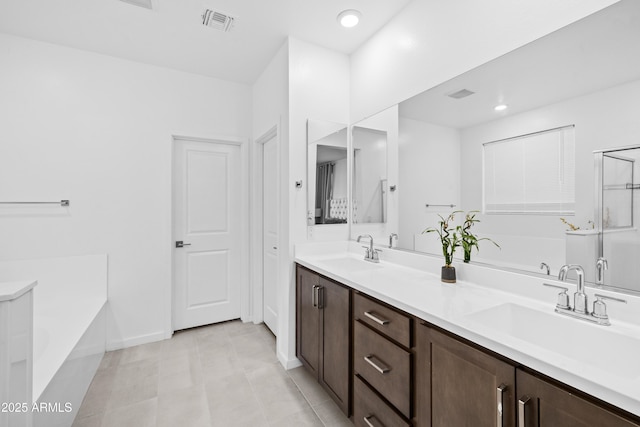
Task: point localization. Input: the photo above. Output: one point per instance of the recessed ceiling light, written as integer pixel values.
(349, 18)
(501, 107)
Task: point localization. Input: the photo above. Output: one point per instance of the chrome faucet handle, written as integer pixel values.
(374, 254)
(367, 253)
(600, 308)
(601, 265)
(563, 298)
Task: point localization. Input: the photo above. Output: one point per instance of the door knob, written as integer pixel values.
(181, 244)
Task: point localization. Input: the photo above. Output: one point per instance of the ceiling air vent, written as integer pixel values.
(459, 94)
(217, 20)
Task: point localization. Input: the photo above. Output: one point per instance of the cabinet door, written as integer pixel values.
(422, 394)
(469, 387)
(543, 404)
(335, 373)
(307, 319)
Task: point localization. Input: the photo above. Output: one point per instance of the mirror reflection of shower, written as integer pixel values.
(619, 239)
(617, 199)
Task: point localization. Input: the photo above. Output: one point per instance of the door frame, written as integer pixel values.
(245, 289)
(257, 255)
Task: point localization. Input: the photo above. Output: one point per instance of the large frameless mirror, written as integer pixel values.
(327, 165)
(574, 91)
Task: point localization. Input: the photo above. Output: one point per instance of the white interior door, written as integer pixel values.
(207, 221)
(270, 233)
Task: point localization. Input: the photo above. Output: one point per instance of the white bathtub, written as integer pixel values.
(69, 330)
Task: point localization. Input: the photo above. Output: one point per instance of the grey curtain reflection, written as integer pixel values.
(324, 191)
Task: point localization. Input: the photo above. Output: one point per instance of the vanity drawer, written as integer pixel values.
(388, 321)
(369, 410)
(384, 365)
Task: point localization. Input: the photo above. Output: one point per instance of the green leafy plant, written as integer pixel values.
(449, 236)
(468, 240)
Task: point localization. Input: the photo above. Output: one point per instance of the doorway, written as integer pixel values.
(270, 235)
(207, 231)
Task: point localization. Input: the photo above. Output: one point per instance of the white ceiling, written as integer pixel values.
(171, 34)
(597, 52)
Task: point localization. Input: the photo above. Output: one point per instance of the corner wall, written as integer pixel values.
(98, 131)
(318, 89)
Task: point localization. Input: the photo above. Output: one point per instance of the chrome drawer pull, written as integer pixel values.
(500, 408)
(377, 368)
(376, 319)
(522, 403)
(369, 421)
(320, 297)
(314, 296)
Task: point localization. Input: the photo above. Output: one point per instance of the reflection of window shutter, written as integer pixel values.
(530, 174)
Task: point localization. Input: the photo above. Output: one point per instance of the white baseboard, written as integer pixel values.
(288, 363)
(130, 342)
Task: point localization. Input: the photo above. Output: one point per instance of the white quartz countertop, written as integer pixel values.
(509, 313)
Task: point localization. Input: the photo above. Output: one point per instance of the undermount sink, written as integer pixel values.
(574, 339)
(350, 264)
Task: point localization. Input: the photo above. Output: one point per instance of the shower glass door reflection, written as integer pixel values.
(619, 210)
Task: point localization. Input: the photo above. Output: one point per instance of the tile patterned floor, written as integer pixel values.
(220, 375)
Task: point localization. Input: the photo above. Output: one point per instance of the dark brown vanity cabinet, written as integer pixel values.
(407, 372)
(459, 385)
(382, 364)
(323, 333)
(542, 404)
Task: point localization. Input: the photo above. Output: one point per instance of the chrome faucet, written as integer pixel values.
(601, 266)
(371, 254)
(579, 310)
(391, 236)
(544, 265)
(579, 298)
(563, 272)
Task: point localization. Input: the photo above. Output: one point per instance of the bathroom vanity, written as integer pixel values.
(417, 352)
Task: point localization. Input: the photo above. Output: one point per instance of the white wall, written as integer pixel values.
(302, 82)
(430, 42)
(429, 173)
(604, 119)
(97, 130)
